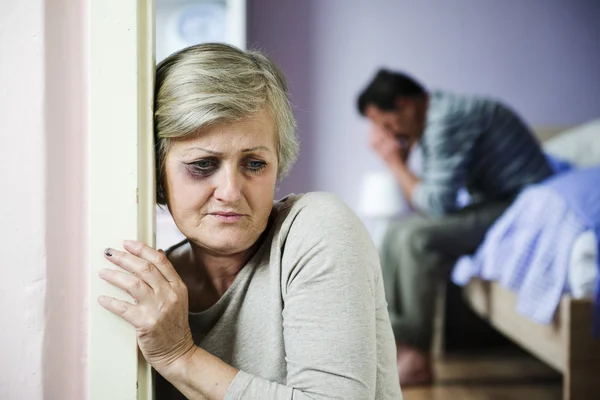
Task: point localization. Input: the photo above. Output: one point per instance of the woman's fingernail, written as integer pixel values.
(108, 252)
(129, 243)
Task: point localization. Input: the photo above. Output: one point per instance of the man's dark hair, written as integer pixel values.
(386, 87)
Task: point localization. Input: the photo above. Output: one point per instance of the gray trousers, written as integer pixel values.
(418, 252)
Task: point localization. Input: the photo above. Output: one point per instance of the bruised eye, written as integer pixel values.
(203, 167)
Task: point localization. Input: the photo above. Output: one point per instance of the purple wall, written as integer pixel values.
(541, 56)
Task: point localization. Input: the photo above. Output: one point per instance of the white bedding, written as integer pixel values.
(580, 146)
(583, 268)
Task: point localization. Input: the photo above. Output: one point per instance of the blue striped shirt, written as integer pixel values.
(478, 144)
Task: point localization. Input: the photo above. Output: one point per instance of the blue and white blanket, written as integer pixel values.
(527, 250)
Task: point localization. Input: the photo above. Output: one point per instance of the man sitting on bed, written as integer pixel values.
(467, 142)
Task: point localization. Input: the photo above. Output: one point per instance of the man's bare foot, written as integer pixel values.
(414, 366)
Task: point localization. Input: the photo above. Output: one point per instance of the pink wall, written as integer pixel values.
(22, 226)
(42, 123)
(64, 363)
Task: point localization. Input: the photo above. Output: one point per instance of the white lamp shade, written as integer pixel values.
(380, 196)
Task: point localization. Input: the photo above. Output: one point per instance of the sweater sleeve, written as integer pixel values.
(329, 278)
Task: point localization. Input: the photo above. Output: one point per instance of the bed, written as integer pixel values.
(566, 343)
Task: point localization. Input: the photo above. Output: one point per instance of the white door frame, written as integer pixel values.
(122, 175)
(121, 181)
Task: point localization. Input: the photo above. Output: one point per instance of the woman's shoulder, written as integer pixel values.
(313, 207)
(318, 234)
(319, 217)
(312, 201)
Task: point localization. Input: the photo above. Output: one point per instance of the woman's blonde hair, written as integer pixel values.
(211, 83)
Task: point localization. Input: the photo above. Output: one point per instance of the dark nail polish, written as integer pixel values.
(108, 252)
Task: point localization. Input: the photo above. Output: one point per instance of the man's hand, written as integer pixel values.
(391, 150)
(394, 153)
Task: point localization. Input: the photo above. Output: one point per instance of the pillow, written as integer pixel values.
(579, 145)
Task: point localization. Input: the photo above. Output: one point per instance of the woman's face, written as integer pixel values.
(220, 183)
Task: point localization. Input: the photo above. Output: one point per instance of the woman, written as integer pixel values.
(263, 300)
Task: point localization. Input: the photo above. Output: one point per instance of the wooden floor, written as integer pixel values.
(496, 377)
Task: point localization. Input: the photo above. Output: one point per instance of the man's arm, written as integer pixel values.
(395, 156)
(446, 166)
(407, 180)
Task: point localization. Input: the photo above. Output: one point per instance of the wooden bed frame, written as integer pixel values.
(566, 344)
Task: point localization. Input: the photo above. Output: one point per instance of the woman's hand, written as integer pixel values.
(160, 312)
